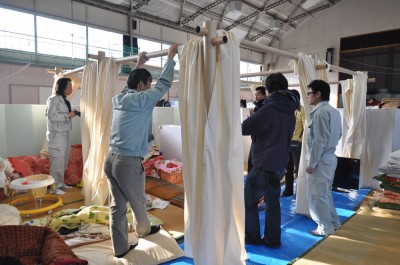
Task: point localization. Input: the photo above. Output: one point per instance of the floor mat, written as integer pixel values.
(361, 240)
(296, 239)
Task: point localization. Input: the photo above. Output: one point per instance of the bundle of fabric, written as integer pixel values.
(390, 182)
(152, 156)
(35, 245)
(390, 103)
(88, 215)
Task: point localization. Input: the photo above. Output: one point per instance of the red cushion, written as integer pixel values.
(34, 164)
(73, 174)
(30, 165)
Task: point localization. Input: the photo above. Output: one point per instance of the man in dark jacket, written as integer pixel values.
(259, 95)
(273, 126)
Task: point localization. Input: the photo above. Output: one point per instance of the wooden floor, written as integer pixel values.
(172, 216)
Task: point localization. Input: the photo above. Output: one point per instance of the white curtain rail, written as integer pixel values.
(283, 71)
(123, 60)
(370, 80)
(263, 48)
(243, 43)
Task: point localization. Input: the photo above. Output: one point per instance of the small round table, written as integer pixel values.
(37, 184)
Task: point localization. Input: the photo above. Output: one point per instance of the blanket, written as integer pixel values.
(34, 245)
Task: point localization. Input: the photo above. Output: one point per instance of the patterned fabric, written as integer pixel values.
(30, 165)
(35, 164)
(88, 215)
(34, 245)
(73, 174)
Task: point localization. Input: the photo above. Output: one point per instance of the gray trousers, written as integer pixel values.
(320, 201)
(126, 182)
(59, 148)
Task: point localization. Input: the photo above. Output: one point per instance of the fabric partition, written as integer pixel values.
(212, 155)
(354, 122)
(98, 88)
(305, 68)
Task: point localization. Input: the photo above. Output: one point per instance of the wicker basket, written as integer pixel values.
(37, 192)
(174, 177)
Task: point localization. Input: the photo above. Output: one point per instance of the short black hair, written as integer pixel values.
(296, 93)
(137, 75)
(321, 86)
(261, 89)
(61, 85)
(275, 82)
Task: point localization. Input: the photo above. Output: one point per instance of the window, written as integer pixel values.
(17, 30)
(61, 38)
(109, 42)
(150, 46)
(246, 68)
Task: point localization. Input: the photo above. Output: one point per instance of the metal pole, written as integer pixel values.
(263, 48)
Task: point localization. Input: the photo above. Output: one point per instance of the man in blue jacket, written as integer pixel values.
(324, 133)
(130, 140)
(273, 126)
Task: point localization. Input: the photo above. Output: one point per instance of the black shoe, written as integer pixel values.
(287, 193)
(154, 229)
(130, 248)
(272, 245)
(252, 242)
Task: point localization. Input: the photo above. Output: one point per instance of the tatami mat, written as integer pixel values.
(369, 237)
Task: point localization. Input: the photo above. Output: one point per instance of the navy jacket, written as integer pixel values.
(273, 125)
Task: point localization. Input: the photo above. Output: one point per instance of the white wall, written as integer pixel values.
(348, 18)
(23, 129)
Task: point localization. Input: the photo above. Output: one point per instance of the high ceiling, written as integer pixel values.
(264, 21)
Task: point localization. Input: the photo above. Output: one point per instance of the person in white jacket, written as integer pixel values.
(58, 117)
(324, 133)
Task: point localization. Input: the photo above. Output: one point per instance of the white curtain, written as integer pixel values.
(354, 98)
(305, 68)
(98, 87)
(213, 156)
(354, 93)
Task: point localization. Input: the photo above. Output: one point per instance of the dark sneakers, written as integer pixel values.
(272, 245)
(287, 193)
(130, 248)
(154, 229)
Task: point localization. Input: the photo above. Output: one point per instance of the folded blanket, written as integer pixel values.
(390, 197)
(394, 171)
(88, 215)
(394, 157)
(34, 245)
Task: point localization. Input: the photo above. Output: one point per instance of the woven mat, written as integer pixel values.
(372, 236)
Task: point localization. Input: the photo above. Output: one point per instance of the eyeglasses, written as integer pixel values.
(309, 93)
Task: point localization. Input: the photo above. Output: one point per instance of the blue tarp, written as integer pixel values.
(295, 238)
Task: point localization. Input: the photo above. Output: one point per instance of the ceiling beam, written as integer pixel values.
(301, 7)
(201, 11)
(255, 20)
(287, 21)
(240, 21)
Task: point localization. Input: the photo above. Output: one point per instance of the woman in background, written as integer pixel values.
(58, 117)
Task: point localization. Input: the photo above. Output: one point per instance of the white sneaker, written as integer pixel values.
(57, 192)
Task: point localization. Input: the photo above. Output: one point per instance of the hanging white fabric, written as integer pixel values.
(213, 156)
(98, 88)
(354, 93)
(354, 98)
(305, 68)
